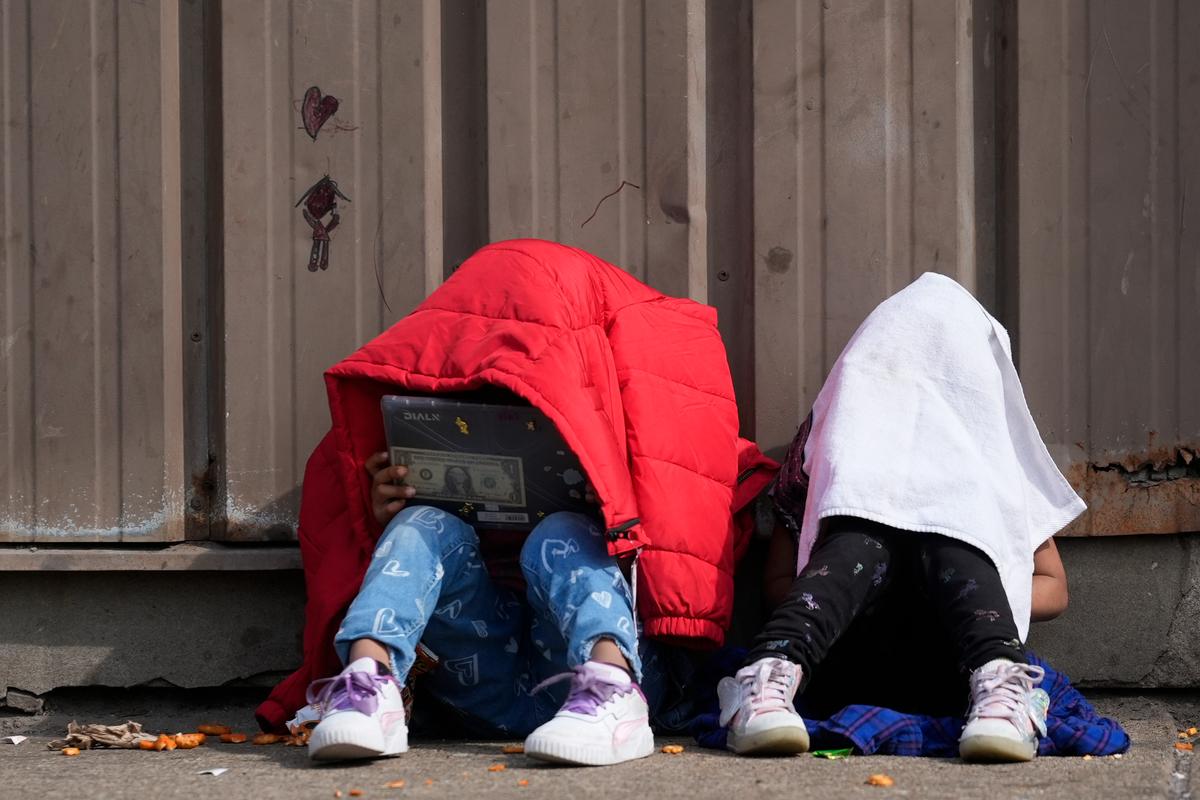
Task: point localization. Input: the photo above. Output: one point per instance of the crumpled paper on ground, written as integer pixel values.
(86, 737)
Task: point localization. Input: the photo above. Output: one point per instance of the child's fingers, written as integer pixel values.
(386, 490)
(395, 507)
(375, 462)
(391, 475)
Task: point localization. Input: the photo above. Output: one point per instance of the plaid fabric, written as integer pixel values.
(1073, 727)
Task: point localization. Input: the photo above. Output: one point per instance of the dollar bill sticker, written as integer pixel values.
(462, 477)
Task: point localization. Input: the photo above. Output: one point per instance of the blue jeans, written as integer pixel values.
(427, 583)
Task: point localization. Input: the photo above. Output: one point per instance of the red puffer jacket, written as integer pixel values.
(638, 385)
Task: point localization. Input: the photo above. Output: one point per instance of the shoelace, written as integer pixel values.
(1004, 693)
(766, 685)
(357, 690)
(588, 690)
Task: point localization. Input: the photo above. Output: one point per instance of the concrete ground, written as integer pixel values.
(1152, 769)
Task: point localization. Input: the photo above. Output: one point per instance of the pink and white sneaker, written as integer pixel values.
(1007, 715)
(605, 720)
(362, 714)
(757, 710)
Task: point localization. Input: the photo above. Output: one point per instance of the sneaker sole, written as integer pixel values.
(346, 745)
(559, 752)
(996, 749)
(782, 741)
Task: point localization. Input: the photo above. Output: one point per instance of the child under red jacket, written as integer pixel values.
(636, 382)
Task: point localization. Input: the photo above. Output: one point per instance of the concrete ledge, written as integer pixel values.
(1132, 621)
(191, 556)
(186, 629)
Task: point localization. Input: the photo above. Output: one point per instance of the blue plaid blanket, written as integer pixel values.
(1073, 728)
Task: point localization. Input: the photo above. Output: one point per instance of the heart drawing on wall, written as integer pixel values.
(316, 110)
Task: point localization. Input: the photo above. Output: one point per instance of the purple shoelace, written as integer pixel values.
(348, 690)
(589, 691)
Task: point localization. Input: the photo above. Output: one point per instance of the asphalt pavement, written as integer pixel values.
(1153, 768)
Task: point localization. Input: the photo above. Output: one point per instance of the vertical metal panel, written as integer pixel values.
(285, 325)
(1108, 283)
(862, 130)
(583, 97)
(91, 339)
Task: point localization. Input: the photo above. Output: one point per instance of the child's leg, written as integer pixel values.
(965, 588)
(427, 583)
(849, 567)
(1007, 712)
(583, 610)
(579, 596)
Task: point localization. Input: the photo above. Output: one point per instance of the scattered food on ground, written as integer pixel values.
(396, 785)
(164, 742)
(186, 741)
(214, 730)
(268, 738)
(146, 744)
(337, 792)
(1087, 758)
(522, 782)
(512, 749)
(356, 792)
(70, 751)
(880, 779)
(429, 781)
(497, 768)
(1184, 746)
(672, 749)
(1192, 731)
(233, 738)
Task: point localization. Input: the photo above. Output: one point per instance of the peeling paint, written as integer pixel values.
(1153, 491)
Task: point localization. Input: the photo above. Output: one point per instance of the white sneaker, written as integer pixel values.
(1007, 713)
(362, 714)
(757, 710)
(605, 720)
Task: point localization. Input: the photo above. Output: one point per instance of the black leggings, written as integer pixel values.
(892, 618)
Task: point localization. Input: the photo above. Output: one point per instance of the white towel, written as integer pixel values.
(922, 425)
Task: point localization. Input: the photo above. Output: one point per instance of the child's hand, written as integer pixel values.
(388, 493)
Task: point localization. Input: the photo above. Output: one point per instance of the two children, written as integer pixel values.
(919, 477)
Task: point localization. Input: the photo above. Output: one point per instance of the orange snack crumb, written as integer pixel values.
(429, 781)
(1192, 731)
(522, 782)
(268, 738)
(512, 749)
(164, 742)
(146, 744)
(497, 768)
(1184, 746)
(396, 785)
(70, 751)
(880, 780)
(233, 738)
(187, 741)
(356, 792)
(214, 730)
(337, 792)
(672, 749)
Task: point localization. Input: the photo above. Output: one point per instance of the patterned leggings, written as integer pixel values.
(886, 585)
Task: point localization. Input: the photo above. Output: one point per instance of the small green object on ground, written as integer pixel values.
(831, 754)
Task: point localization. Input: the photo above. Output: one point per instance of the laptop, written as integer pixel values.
(495, 466)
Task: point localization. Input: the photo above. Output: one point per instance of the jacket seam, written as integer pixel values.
(676, 382)
(676, 464)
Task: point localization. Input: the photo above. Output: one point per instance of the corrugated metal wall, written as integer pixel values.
(791, 163)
